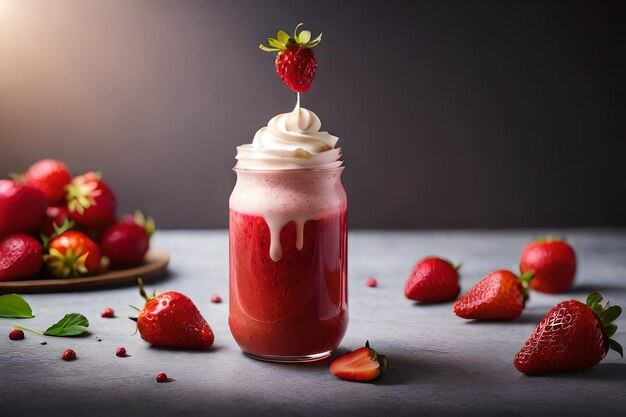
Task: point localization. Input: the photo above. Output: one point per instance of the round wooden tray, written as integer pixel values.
(154, 266)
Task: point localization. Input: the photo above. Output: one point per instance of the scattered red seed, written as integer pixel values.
(120, 352)
(371, 282)
(69, 355)
(108, 313)
(216, 299)
(162, 377)
(16, 334)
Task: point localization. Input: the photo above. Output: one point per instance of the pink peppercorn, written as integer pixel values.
(16, 334)
(120, 352)
(162, 377)
(371, 282)
(69, 355)
(108, 313)
(216, 299)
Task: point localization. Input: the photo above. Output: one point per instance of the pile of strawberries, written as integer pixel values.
(67, 225)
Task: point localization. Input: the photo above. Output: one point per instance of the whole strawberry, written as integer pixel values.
(21, 207)
(50, 177)
(73, 254)
(171, 319)
(554, 263)
(432, 280)
(501, 295)
(54, 218)
(295, 63)
(20, 256)
(91, 202)
(573, 336)
(126, 242)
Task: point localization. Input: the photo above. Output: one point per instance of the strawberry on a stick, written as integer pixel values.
(295, 62)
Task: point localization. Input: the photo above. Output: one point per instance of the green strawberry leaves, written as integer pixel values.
(14, 307)
(283, 40)
(607, 315)
(72, 324)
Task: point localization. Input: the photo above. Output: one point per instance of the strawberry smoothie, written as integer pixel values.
(288, 237)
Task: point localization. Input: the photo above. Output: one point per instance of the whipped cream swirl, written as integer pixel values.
(290, 141)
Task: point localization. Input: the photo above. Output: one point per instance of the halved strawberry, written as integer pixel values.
(363, 364)
(90, 201)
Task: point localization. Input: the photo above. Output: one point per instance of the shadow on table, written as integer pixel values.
(586, 288)
(601, 372)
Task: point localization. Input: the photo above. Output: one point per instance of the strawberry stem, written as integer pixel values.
(16, 327)
(607, 314)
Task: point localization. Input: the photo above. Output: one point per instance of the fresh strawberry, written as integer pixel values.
(126, 242)
(21, 207)
(50, 177)
(73, 254)
(55, 216)
(433, 280)
(91, 202)
(554, 263)
(20, 256)
(573, 336)
(501, 295)
(363, 364)
(171, 319)
(295, 63)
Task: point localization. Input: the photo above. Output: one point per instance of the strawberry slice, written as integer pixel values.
(363, 364)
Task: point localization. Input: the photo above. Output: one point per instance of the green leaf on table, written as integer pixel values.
(15, 307)
(71, 325)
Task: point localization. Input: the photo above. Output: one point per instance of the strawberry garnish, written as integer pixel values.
(501, 295)
(50, 177)
(433, 280)
(363, 364)
(90, 201)
(295, 63)
(554, 263)
(573, 336)
(171, 319)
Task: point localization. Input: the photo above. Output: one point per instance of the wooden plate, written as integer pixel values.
(154, 266)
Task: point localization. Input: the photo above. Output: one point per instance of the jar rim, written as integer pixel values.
(289, 170)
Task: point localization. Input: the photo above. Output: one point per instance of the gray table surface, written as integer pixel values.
(440, 364)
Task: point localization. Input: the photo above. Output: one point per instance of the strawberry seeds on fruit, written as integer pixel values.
(432, 280)
(295, 62)
(573, 336)
(171, 319)
(501, 295)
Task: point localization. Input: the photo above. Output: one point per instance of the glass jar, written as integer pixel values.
(288, 263)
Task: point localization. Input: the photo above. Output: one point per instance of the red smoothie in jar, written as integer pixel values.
(288, 240)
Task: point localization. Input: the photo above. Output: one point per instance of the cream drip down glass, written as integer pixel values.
(288, 242)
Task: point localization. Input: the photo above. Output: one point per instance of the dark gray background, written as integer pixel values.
(451, 113)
